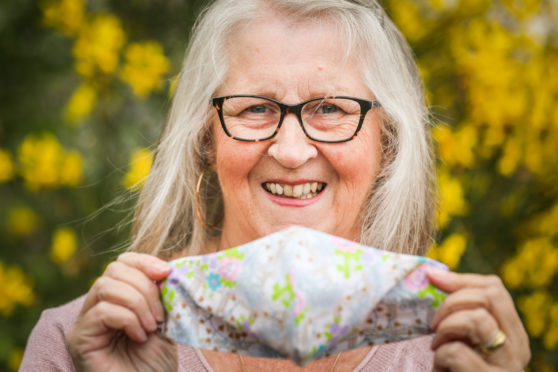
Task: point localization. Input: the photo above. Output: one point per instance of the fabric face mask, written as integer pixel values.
(298, 294)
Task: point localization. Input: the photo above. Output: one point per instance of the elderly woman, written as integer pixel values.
(307, 112)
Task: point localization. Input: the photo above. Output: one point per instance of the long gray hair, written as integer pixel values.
(400, 207)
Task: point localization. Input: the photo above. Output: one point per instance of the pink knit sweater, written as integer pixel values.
(46, 349)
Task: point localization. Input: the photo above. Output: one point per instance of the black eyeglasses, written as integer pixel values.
(331, 119)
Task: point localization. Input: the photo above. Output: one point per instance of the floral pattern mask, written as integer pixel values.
(298, 294)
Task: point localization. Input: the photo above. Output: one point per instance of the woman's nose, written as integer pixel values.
(291, 148)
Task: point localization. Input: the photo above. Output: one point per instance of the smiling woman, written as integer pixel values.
(308, 113)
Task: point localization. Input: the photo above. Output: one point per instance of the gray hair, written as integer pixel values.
(401, 205)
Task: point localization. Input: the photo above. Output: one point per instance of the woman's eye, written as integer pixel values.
(258, 109)
(328, 109)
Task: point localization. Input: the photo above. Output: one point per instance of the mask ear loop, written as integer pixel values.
(198, 210)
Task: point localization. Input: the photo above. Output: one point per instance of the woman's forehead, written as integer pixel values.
(268, 56)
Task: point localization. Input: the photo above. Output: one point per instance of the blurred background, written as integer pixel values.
(84, 90)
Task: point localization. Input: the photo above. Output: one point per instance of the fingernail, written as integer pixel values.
(437, 272)
(161, 266)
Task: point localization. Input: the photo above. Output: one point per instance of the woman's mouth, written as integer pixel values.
(300, 191)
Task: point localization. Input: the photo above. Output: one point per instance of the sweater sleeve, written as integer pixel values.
(46, 346)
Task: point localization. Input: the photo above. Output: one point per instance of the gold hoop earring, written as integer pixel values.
(198, 211)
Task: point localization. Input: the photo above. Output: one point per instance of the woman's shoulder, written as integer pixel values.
(46, 345)
(410, 355)
(62, 317)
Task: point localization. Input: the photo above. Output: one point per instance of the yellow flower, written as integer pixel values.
(535, 308)
(452, 201)
(512, 273)
(98, 45)
(140, 165)
(406, 14)
(64, 244)
(40, 157)
(81, 103)
(510, 158)
(547, 223)
(66, 16)
(15, 289)
(145, 66)
(71, 170)
(451, 250)
(485, 60)
(6, 166)
(22, 221)
(535, 264)
(45, 164)
(456, 147)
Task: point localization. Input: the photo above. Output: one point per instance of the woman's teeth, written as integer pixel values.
(300, 191)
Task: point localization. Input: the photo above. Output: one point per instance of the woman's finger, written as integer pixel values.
(96, 325)
(456, 356)
(474, 327)
(107, 289)
(465, 299)
(155, 268)
(132, 276)
(128, 269)
(473, 290)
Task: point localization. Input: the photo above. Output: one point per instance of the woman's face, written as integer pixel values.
(292, 64)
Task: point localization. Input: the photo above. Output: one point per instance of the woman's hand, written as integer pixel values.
(115, 328)
(476, 309)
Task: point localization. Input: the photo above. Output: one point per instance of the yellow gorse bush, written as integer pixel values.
(140, 165)
(464, 139)
(81, 103)
(64, 244)
(452, 200)
(494, 74)
(45, 164)
(98, 44)
(541, 317)
(66, 16)
(450, 250)
(144, 67)
(16, 289)
(535, 265)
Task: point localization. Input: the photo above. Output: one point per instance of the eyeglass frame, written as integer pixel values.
(365, 106)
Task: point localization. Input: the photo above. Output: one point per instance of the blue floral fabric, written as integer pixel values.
(298, 294)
